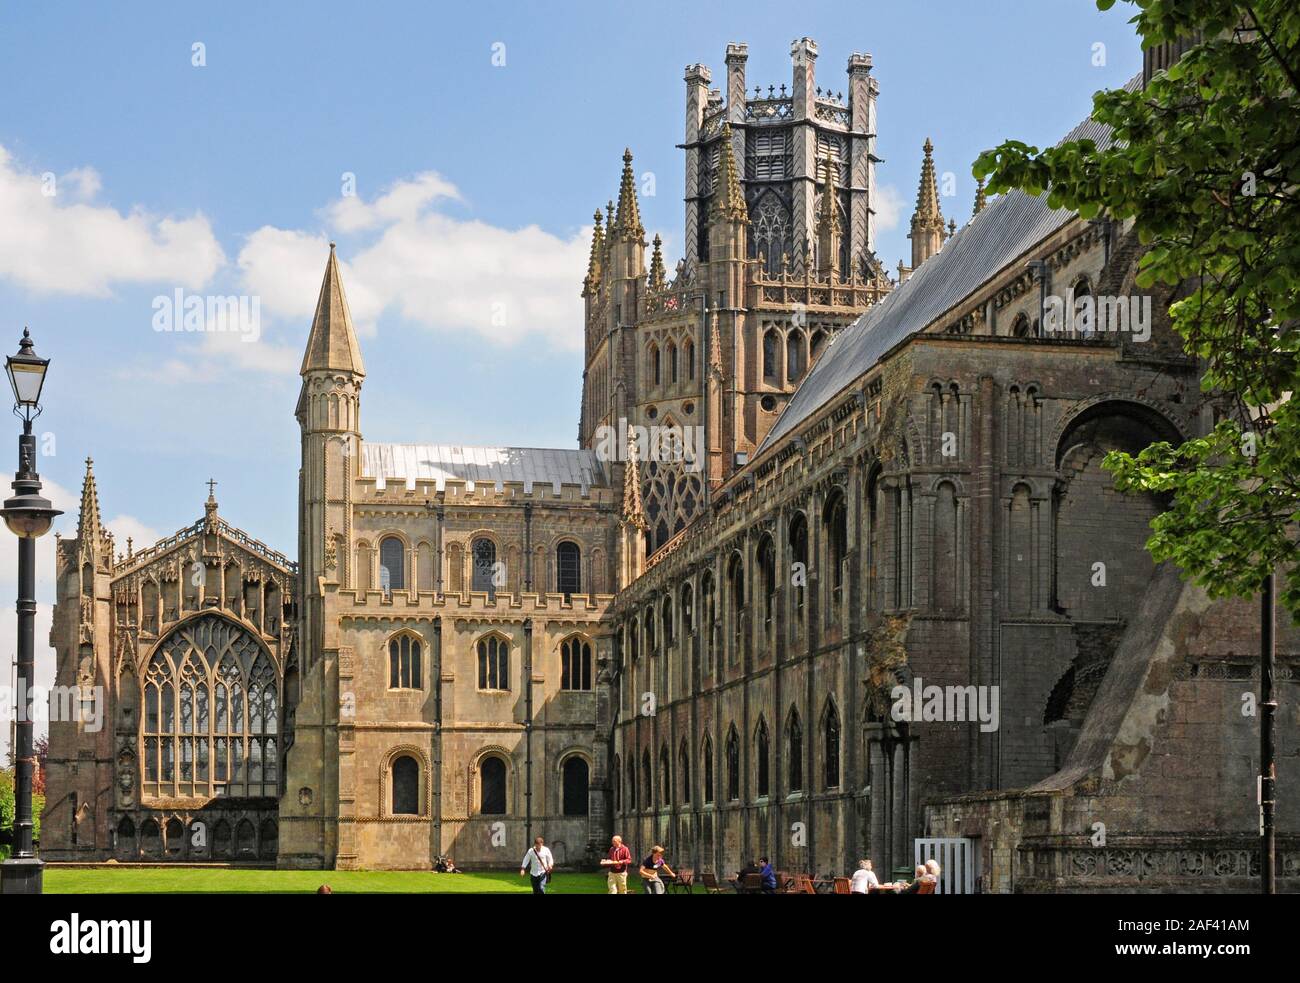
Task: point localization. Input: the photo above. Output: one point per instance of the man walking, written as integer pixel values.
(616, 864)
(538, 864)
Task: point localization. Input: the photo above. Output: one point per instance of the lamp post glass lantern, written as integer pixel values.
(28, 515)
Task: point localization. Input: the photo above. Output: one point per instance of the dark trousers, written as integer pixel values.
(539, 883)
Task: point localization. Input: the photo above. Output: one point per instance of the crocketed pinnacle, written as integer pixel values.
(658, 278)
(627, 220)
(633, 510)
(597, 252)
(728, 199)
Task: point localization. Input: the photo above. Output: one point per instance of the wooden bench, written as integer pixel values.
(752, 884)
(685, 882)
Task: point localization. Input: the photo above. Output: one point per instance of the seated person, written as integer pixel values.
(768, 873)
(864, 879)
(750, 868)
(913, 886)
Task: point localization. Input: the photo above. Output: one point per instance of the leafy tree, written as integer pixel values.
(1206, 166)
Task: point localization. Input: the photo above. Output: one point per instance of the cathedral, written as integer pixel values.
(803, 490)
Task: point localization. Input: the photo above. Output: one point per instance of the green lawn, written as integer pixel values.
(222, 880)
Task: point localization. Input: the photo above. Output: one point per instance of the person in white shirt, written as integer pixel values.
(538, 864)
(864, 879)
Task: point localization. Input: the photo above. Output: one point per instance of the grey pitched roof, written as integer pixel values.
(439, 463)
(1008, 227)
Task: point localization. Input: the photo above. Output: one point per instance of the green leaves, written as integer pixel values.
(1205, 167)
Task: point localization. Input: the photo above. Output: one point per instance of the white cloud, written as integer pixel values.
(352, 214)
(62, 243)
(889, 205)
(441, 272)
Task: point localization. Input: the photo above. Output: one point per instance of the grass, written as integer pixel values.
(225, 880)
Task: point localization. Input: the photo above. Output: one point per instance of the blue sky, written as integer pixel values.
(474, 182)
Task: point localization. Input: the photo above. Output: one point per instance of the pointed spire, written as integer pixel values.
(981, 199)
(627, 221)
(332, 343)
(927, 220)
(728, 199)
(715, 345)
(658, 279)
(597, 252)
(633, 510)
(90, 530)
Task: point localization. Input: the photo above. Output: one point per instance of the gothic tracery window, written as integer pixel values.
(211, 721)
(575, 664)
(493, 663)
(404, 669)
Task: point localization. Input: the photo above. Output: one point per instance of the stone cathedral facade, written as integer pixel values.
(880, 485)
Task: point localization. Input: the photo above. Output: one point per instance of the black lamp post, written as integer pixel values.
(28, 516)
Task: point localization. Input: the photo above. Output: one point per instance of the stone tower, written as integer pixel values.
(778, 231)
(328, 414)
(82, 755)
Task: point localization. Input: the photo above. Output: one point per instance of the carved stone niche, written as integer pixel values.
(126, 775)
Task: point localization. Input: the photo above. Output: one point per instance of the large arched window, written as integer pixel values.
(831, 746)
(707, 769)
(767, 578)
(672, 363)
(771, 341)
(484, 553)
(404, 670)
(794, 752)
(793, 357)
(666, 618)
(688, 617)
(575, 664)
(211, 714)
(568, 568)
(799, 562)
(684, 772)
(392, 564)
(493, 663)
(665, 778)
(647, 781)
(656, 370)
(736, 584)
(836, 548)
(762, 749)
(406, 786)
(709, 612)
(616, 783)
(576, 780)
(733, 764)
(492, 786)
(689, 355)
